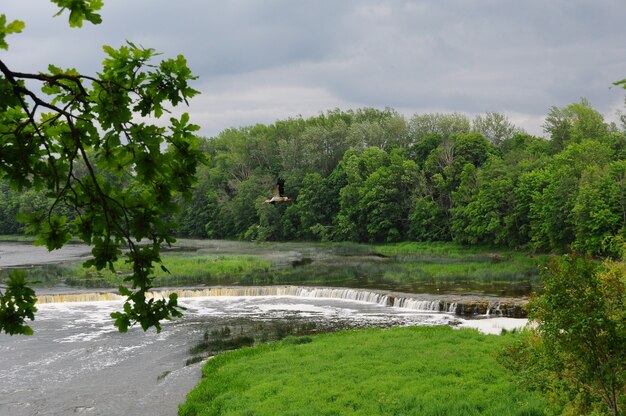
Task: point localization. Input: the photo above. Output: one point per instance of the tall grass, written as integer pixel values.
(404, 371)
(419, 267)
(45, 275)
(407, 267)
(182, 269)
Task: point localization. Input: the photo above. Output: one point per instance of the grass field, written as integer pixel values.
(403, 371)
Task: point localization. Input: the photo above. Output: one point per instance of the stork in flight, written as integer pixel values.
(279, 193)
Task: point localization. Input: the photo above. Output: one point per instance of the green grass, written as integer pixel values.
(417, 267)
(43, 275)
(439, 248)
(404, 371)
(17, 237)
(183, 269)
(452, 253)
(405, 267)
(453, 267)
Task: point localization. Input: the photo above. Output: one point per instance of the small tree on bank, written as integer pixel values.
(577, 351)
(80, 138)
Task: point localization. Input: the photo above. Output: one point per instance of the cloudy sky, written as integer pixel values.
(264, 60)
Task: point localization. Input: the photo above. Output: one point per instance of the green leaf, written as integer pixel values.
(124, 291)
(80, 10)
(17, 304)
(15, 26)
(117, 178)
(121, 321)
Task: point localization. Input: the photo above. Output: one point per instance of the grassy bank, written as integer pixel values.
(415, 267)
(406, 267)
(404, 371)
(17, 237)
(183, 270)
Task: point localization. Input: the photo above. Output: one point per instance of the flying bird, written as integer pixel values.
(279, 193)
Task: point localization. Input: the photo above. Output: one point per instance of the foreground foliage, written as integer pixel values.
(577, 353)
(16, 305)
(408, 371)
(107, 176)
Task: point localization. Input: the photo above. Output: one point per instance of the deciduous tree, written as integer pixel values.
(496, 127)
(132, 167)
(577, 352)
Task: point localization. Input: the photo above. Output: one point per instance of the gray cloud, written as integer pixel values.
(262, 61)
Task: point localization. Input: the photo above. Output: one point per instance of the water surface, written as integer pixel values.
(77, 363)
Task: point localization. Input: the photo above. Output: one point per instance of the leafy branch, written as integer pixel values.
(112, 180)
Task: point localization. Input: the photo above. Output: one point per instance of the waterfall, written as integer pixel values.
(378, 297)
(78, 297)
(425, 305)
(416, 302)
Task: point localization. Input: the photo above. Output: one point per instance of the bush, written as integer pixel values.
(577, 353)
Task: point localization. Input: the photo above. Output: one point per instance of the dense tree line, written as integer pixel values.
(376, 176)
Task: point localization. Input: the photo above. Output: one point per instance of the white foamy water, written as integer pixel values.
(77, 362)
(454, 304)
(494, 326)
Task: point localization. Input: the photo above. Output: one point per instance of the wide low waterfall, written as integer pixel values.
(459, 305)
(76, 353)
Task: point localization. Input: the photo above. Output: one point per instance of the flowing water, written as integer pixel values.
(22, 254)
(77, 362)
(446, 270)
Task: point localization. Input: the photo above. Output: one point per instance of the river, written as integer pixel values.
(77, 362)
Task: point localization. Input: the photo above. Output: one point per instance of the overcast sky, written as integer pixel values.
(260, 61)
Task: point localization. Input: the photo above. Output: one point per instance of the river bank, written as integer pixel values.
(318, 287)
(434, 268)
(403, 371)
(76, 360)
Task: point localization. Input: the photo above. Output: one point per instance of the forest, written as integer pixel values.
(95, 168)
(375, 176)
